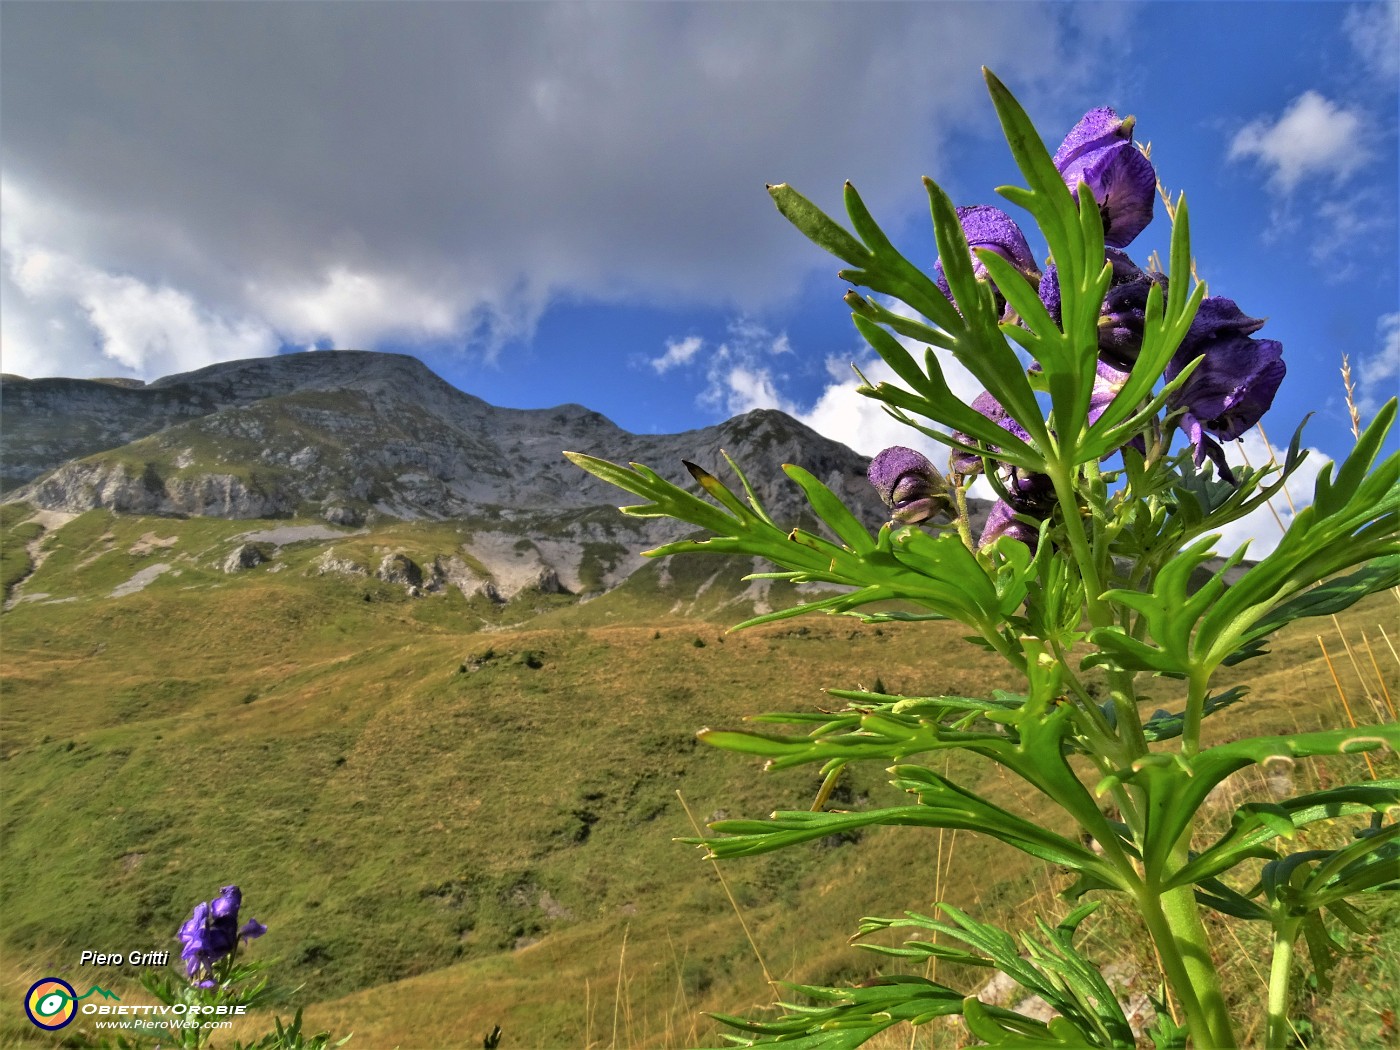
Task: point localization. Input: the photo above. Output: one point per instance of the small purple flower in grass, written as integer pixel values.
(908, 484)
(1099, 152)
(212, 933)
(251, 930)
(1230, 390)
(227, 903)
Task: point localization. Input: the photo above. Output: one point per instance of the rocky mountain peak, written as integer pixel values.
(354, 438)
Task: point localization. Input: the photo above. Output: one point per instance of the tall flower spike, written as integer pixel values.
(1099, 152)
(909, 485)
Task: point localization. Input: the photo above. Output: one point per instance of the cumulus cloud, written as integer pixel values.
(739, 372)
(346, 174)
(59, 315)
(1313, 137)
(743, 372)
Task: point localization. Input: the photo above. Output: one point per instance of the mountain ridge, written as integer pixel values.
(358, 438)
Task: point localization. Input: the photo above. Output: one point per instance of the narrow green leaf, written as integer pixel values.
(818, 226)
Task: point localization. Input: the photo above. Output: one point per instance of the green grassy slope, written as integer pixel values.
(453, 814)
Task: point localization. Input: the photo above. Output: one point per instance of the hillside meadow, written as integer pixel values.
(454, 814)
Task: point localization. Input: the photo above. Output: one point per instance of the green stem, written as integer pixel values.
(960, 519)
(1174, 966)
(1174, 920)
(1280, 1028)
(1195, 711)
(1100, 613)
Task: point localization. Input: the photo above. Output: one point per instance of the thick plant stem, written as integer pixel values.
(1280, 1029)
(1173, 964)
(1188, 943)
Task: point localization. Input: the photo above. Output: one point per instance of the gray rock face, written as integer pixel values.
(245, 556)
(354, 438)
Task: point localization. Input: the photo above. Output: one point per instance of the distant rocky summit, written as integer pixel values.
(354, 438)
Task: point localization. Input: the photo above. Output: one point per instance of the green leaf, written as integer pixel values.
(1255, 824)
(832, 511)
(817, 226)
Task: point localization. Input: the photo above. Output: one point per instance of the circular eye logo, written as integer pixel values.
(51, 1003)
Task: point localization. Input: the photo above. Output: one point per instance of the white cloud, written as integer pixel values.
(502, 156)
(1374, 31)
(356, 309)
(1313, 137)
(58, 310)
(1378, 373)
(1264, 527)
(678, 352)
(739, 371)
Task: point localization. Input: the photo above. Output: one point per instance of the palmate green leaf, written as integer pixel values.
(1166, 323)
(940, 574)
(933, 398)
(1306, 882)
(1351, 521)
(1176, 785)
(818, 227)
(985, 353)
(843, 1018)
(1328, 598)
(1049, 966)
(1254, 825)
(1165, 725)
(831, 510)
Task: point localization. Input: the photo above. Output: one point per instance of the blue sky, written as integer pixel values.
(553, 203)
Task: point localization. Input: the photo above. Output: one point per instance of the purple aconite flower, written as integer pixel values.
(251, 930)
(211, 934)
(1217, 318)
(1230, 390)
(908, 484)
(1124, 311)
(969, 462)
(1235, 383)
(1002, 521)
(1099, 152)
(992, 229)
(227, 903)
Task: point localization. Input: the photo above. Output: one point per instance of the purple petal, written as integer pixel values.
(252, 929)
(1050, 291)
(227, 903)
(989, 406)
(1002, 522)
(1099, 152)
(1217, 318)
(908, 484)
(1107, 383)
(1206, 446)
(1096, 130)
(1123, 318)
(991, 228)
(1233, 386)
